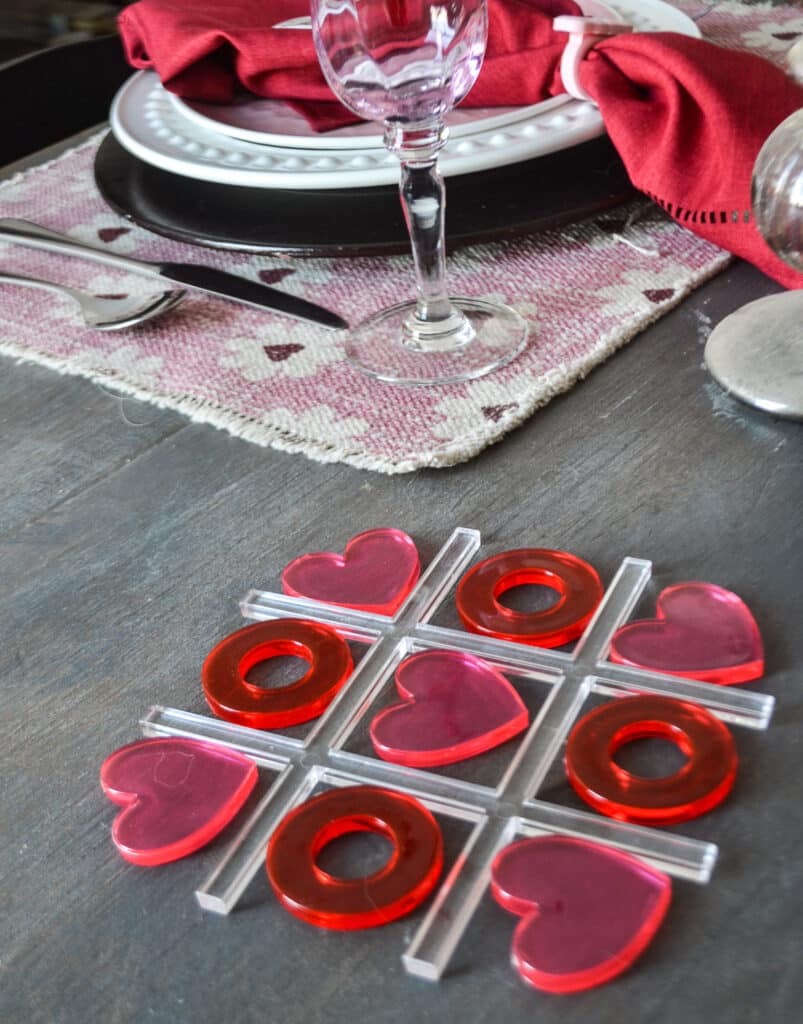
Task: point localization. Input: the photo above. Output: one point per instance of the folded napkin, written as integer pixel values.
(687, 117)
(208, 49)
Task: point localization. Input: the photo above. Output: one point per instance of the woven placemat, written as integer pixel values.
(588, 290)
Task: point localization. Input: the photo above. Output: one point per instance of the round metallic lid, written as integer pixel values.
(756, 354)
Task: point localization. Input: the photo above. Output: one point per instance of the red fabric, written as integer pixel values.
(687, 117)
(206, 49)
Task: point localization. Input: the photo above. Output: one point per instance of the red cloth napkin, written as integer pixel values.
(687, 117)
(210, 48)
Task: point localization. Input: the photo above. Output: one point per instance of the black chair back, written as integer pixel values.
(52, 94)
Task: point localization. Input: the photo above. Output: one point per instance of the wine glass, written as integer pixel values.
(407, 63)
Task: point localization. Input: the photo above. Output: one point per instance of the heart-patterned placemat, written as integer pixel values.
(587, 289)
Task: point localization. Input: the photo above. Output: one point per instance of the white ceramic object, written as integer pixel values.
(584, 33)
(274, 123)
(147, 122)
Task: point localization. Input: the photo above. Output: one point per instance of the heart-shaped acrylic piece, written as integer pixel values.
(587, 911)
(177, 794)
(376, 572)
(455, 706)
(701, 631)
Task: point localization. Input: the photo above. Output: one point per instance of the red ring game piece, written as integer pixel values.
(346, 904)
(232, 697)
(701, 783)
(577, 583)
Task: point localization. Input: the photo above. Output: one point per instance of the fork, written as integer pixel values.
(107, 314)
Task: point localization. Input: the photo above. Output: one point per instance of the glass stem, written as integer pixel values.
(423, 199)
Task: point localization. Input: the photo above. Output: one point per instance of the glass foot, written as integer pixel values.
(390, 347)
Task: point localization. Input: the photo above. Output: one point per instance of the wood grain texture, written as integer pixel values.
(123, 550)
(127, 536)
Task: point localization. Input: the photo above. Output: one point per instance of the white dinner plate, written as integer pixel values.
(148, 123)
(274, 123)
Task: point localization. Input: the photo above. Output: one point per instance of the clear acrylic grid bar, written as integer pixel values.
(500, 813)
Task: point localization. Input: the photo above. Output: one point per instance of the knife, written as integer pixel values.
(192, 275)
(305, 21)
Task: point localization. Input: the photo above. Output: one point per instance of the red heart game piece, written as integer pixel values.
(587, 911)
(177, 794)
(455, 707)
(700, 631)
(376, 572)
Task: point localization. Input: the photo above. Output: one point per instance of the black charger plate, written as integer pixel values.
(500, 203)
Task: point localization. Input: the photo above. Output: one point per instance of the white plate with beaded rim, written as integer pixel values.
(274, 123)
(151, 126)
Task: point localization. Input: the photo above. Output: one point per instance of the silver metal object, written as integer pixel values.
(777, 190)
(107, 314)
(191, 275)
(756, 354)
(304, 22)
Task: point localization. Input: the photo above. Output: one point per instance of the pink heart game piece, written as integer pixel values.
(701, 631)
(178, 794)
(587, 911)
(455, 707)
(376, 572)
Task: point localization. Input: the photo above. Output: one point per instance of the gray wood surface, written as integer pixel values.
(127, 535)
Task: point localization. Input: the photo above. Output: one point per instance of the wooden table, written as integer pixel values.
(127, 535)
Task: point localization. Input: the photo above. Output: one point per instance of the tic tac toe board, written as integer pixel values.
(496, 812)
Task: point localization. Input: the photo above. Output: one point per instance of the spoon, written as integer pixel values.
(111, 314)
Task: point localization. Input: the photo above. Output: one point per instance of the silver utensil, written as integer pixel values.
(107, 314)
(305, 22)
(192, 275)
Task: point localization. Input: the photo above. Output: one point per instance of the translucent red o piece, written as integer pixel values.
(455, 707)
(177, 794)
(577, 583)
(375, 573)
(232, 697)
(700, 631)
(704, 781)
(587, 911)
(346, 904)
